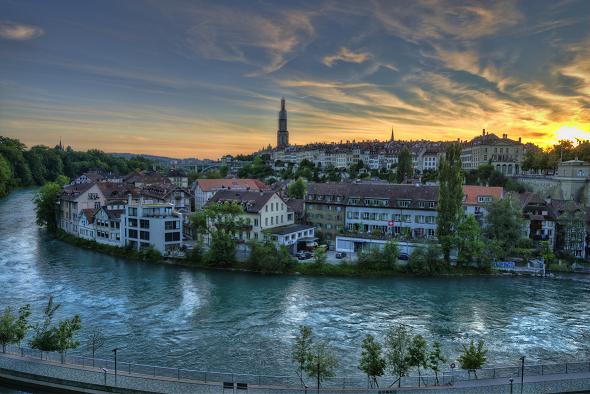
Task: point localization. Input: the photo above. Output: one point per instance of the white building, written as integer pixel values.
(73, 200)
(107, 225)
(146, 223)
(204, 189)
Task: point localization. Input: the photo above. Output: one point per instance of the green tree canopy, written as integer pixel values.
(46, 205)
(404, 169)
(504, 223)
(297, 189)
(372, 361)
(473, 357)
(13, 328)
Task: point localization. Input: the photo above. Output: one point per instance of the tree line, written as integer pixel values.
(401, 352)
(40, 164)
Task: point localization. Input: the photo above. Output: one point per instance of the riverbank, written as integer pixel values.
(343, 269)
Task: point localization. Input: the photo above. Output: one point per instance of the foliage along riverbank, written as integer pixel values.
(263, 261)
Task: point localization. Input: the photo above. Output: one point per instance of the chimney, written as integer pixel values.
(520, 140)
(483, 132)
(129, 199)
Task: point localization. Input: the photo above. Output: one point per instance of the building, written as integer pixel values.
(147, 223)
(476, 198)
(178, 178)
(570, 182)
(504, 154)
(76, 198)
(204, 189)
(266, 217)
(107, 225)
(282, 132)
(540, 220)
(325, 205)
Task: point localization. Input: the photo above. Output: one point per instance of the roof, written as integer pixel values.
(116, 190)
(296, 205)
(252, 201)
(146, 177)
(289, 229)
(89, 214)
(472, 192)
(390, 192)
(71, 192)
(211, 185)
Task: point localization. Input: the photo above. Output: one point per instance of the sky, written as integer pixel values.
(202, 79)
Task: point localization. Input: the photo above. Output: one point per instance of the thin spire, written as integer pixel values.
(391, 139)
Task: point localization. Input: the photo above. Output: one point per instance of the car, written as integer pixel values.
(403, 256)
(340, 255)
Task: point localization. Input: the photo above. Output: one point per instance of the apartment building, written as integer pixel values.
(74, 199)
(325, 205)
(146, 222)
(107, 225)
(476, 198)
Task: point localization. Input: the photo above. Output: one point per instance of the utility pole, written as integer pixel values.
(115, 351)
(521, 373)
(318, 376)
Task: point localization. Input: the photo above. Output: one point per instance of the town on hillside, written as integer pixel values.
(347, 197)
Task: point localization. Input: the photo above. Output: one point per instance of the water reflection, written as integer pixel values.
(222, 320)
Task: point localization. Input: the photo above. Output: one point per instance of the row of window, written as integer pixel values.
(396, 217)
(274, 206)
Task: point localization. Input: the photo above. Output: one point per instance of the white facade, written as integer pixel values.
(73, 202)
(107, 227)
(146, 223)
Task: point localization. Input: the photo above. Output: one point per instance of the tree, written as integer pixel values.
(372, 361)
(404, 168)
(426, 260)
(223, 221)
(450, 198)
(473, 357)
(379, 259)
(320, 256)
(504, 223)
(13, 328)
(266, 257)
(49, 338)
(297, 189)
(301, 352)
(96, 340)
(469, 242)
(46, 205)
(435, 359)
(5, 176)
(397, 344)
(321, 363)
(417, 354)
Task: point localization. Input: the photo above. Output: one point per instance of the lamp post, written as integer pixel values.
(115, 352)
(511, 381)
(521, 373)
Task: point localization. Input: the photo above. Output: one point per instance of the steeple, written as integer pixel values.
(391, 139)
(282, 132)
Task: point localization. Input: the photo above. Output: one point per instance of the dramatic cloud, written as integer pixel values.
(223, 33)
(345, 55)
(18, 32)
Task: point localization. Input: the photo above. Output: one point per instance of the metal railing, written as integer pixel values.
(358, 381)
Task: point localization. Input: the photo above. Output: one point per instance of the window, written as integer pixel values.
(132, 233)
(145, 235)
(266, 221)
(132, 222)
(172, 225)
(170, 237)
(133, 212)
(403, 203)
(97, 205)
(144, 223)
(484, 199)
(255, 222)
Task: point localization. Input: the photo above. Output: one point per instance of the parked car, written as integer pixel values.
(340, 255)
(403, 256)
(303, 255)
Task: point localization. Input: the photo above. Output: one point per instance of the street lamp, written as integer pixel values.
(521, 373)
(511, 381)
(115, 351)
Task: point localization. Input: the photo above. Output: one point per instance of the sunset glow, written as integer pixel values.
(203, 79)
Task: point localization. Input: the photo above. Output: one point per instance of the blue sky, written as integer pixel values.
(189, 78)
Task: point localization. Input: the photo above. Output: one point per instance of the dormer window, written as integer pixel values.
(403, 203)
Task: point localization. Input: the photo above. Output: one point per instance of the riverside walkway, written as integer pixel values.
(48, 373)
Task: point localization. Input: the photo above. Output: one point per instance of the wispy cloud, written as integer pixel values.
(346, 55)
(18, 31)
(265, 42)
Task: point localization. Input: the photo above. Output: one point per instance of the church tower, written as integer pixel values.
(282, 132)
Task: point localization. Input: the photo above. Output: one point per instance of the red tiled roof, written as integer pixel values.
(209, 185)
(472, 192)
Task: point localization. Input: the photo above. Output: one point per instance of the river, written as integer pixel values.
(224, 321)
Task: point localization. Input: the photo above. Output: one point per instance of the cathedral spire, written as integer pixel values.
(282, 132)
(391, 139)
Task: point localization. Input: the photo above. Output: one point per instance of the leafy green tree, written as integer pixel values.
(297, 189)
(301, 353)
(435, 359)
(320, 255)
(404, 169)
(418, 354)
(450, 198)
(223, 221)
(321, 363)
(470, 244)
(13, 328)
(504, 223)
(266, 257)
(372, 361)
(13, 151)
(398, 341)
(60, 337)
(473, 357)
(379, 259)
(5, 176)
(426, 260)
(46, 205)
(62, 180)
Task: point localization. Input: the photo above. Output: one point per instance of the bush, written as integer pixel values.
(426, 260)
(265, 257)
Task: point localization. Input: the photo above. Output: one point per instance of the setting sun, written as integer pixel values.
(571, 133)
